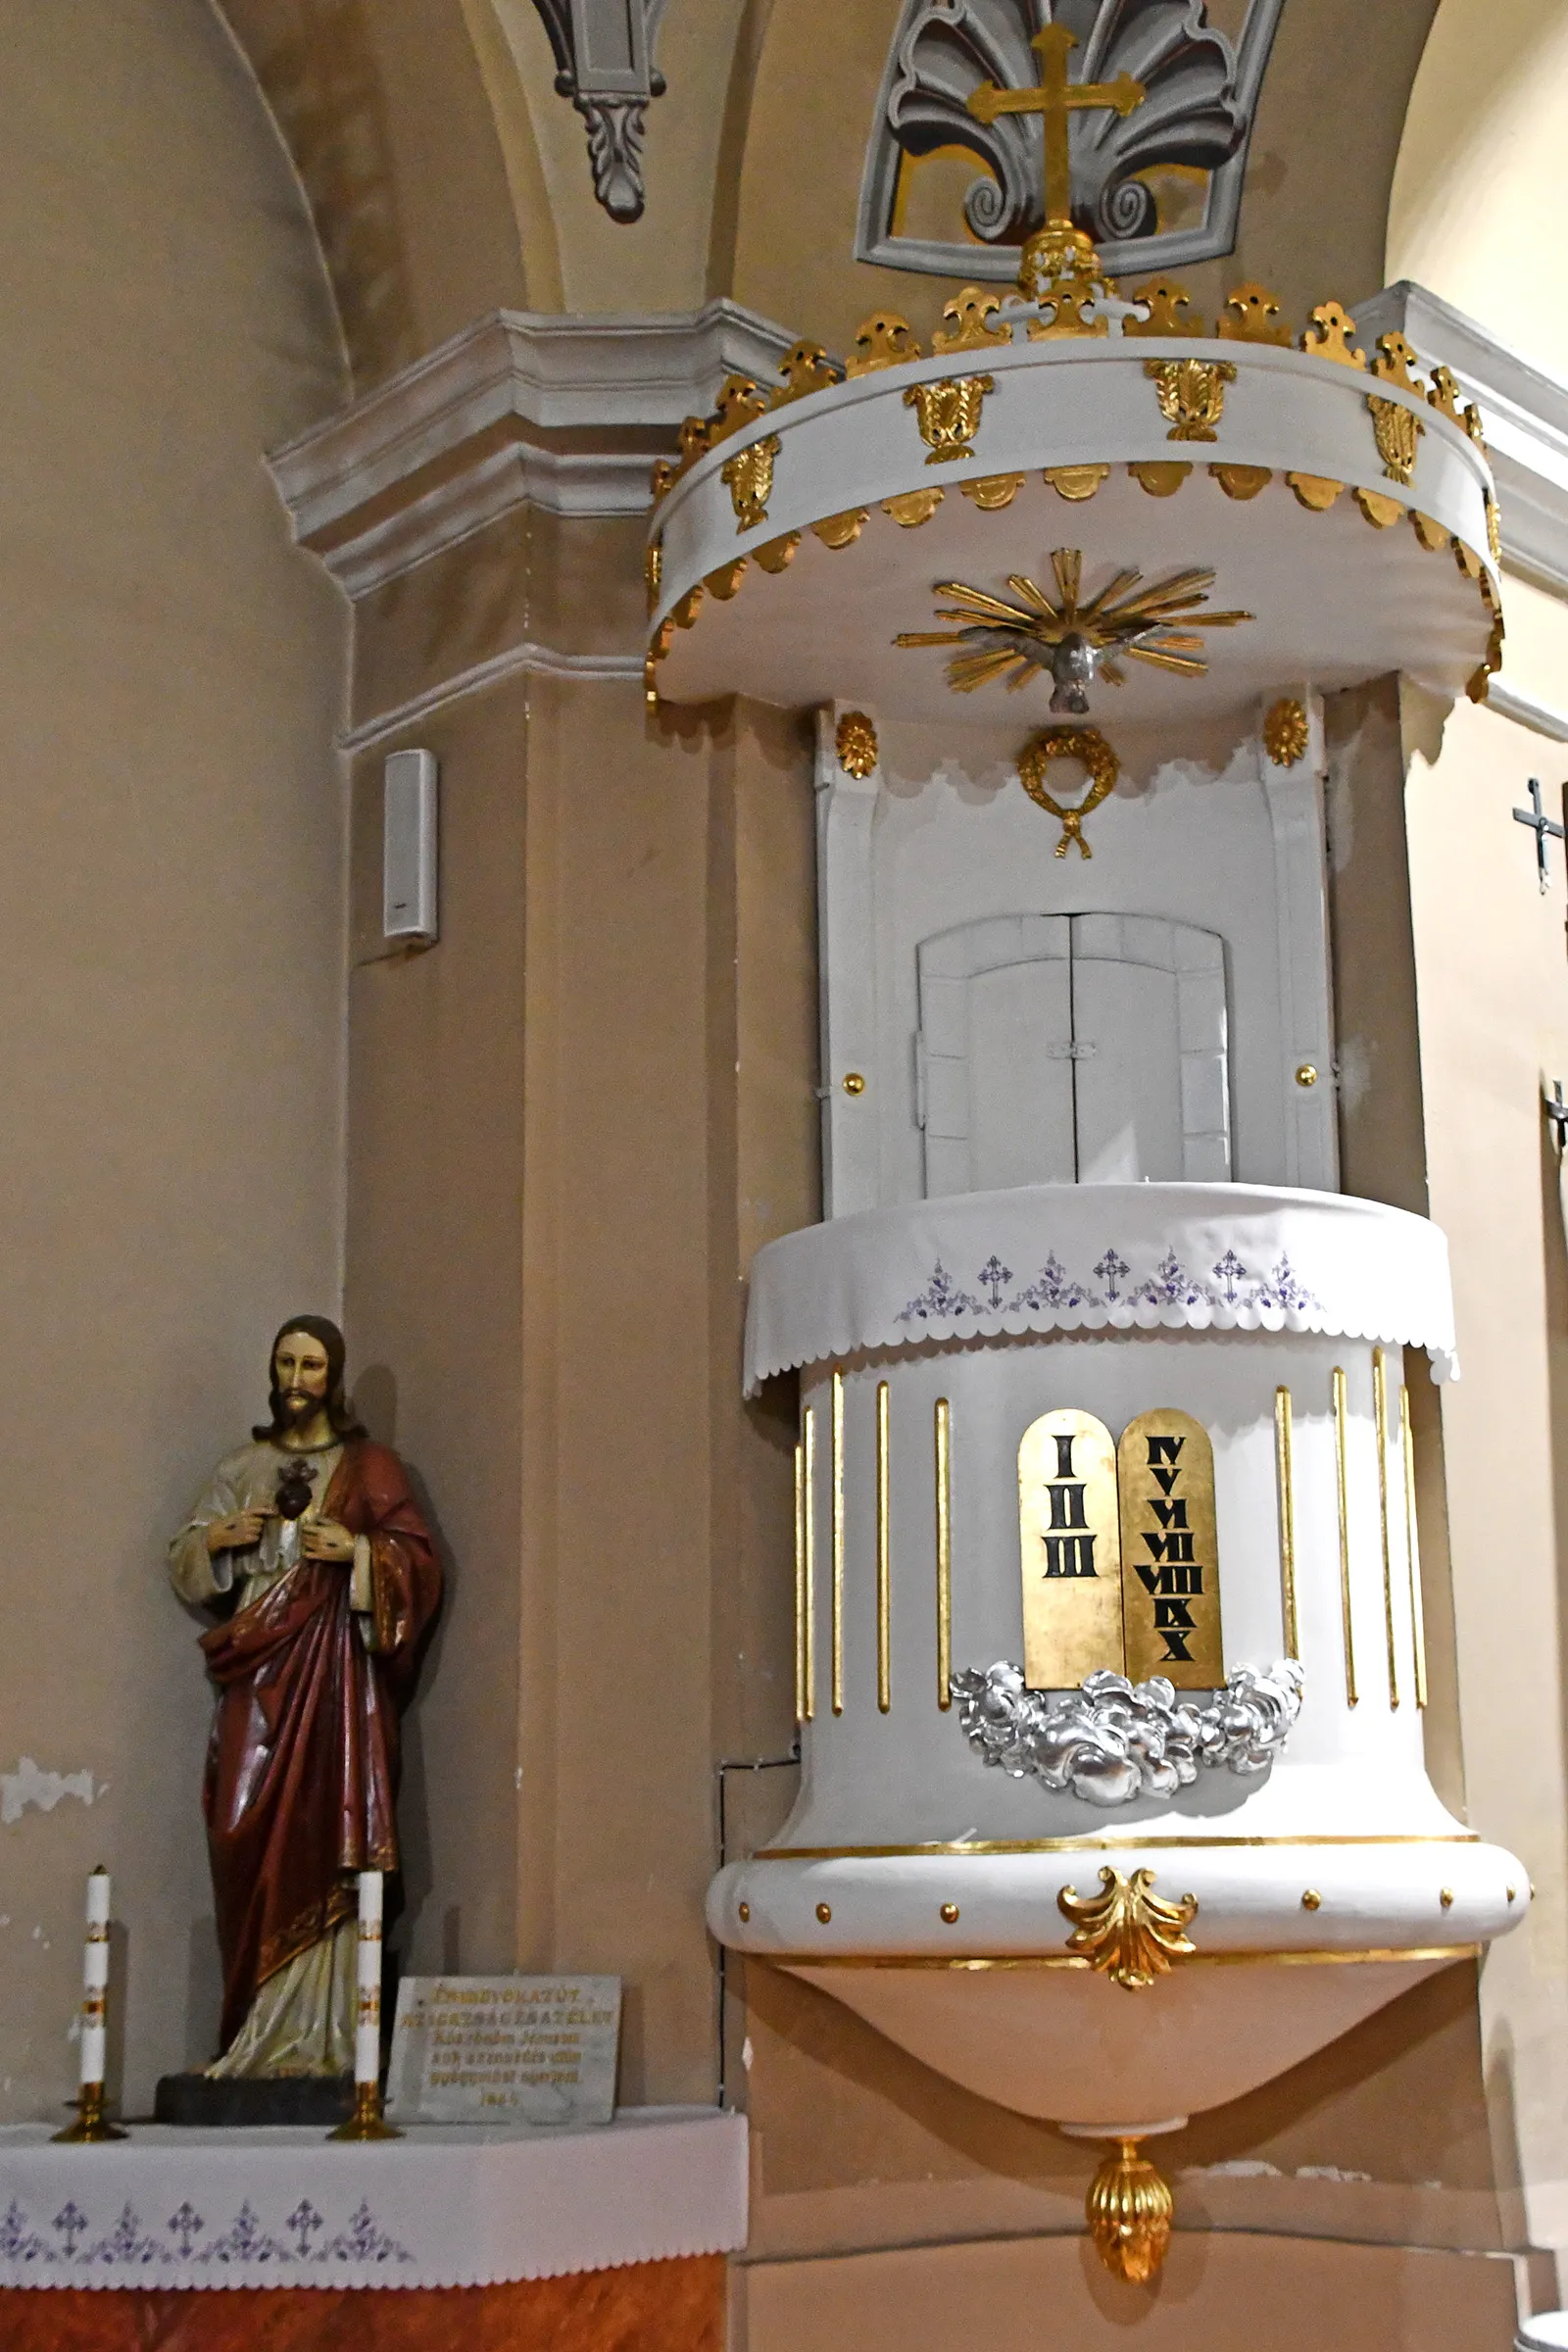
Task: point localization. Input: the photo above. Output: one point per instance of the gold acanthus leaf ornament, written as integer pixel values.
(1071, 638)
(1191, 395)
(749, 480)
(1129, 1932)
(947, 413)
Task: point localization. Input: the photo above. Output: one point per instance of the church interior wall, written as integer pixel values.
(1485, 127)
(570, 1124)
(383, 108)
(1489, 949)
(170, 950)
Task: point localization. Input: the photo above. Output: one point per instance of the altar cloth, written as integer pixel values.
(1101, 1257)
(448, 2205)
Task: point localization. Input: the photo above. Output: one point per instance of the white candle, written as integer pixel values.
(367, 1985)
(95, 1979)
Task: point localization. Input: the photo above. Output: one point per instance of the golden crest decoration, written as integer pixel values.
(749, 480)
(1396, 428)
(1191, 395)
(1129, 1932)
(947, 413)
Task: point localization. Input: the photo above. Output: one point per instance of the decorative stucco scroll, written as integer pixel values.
(1114, 1741)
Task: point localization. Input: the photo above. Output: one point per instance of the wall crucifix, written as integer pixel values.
(1543, 827)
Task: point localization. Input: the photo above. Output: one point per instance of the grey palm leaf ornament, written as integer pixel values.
(1202, 95)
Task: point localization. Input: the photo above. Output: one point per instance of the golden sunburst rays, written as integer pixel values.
(1071, 639)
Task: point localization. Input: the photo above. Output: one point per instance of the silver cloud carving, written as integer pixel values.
(1114, 1740)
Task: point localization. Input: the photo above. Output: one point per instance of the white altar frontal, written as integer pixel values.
(462, 2205)
(1109, 1652)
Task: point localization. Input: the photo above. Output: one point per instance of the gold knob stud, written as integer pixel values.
(950, 1912)
(746, 1913)
(1307, 1074)
(1312, 1900)
(824, 1912)
(1445, 1898)
(854, 1083)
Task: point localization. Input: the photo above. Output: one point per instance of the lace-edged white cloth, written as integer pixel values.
(1102, 1256)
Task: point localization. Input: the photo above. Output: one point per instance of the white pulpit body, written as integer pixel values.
(1014, 1017)
(1065, 590)
(919, 1882)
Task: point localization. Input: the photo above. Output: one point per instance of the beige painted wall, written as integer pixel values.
(1479, 167)
(171, 925)
(571, 1121)
(1494, 1009)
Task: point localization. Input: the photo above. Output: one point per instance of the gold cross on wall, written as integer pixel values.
(1052, 99)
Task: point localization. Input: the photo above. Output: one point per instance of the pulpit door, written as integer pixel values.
(1063, 1048)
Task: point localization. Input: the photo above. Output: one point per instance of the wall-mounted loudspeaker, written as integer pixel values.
(409, 898)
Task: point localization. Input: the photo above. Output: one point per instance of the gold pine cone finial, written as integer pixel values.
(1129, 2209)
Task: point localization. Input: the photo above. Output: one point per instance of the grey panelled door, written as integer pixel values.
(1087, 1048)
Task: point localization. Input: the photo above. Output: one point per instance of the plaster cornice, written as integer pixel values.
(1524, 411)
(518, 409)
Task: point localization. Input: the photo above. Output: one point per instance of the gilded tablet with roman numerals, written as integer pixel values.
(1067, 1521)
(1169, 1561)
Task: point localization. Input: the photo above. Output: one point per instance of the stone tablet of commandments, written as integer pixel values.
(505, 2050)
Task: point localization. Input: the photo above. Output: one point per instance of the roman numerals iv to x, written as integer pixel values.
(1119, 1563)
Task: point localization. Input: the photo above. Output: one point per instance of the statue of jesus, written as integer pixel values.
(309, 1546)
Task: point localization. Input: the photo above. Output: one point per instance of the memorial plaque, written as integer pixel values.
(1170, 1561)
(1071, 1539)
(505, 2050)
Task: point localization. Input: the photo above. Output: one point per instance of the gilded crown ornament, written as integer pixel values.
(947, 413)
(1129, 1932)
(1073, 639)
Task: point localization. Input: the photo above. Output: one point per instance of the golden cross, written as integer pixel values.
(1052, 99)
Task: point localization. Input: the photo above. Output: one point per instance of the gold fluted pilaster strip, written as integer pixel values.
(1344, 1536)
(944, 1464)
(808, 1562)
(800, 1582)
(1283, 1476)
(1380, 1414)
(837, 1424)
(884, 1661)
(1412, 1548)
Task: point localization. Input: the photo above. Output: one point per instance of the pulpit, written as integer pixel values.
(1109, 1652)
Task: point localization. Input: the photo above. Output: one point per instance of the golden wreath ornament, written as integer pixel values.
(1086, 745)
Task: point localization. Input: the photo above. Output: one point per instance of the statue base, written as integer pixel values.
(246, 2102)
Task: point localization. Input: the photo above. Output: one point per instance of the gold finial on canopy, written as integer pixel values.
(1057, 250)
